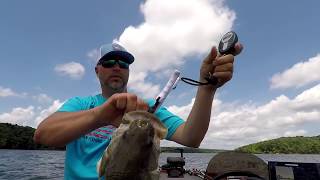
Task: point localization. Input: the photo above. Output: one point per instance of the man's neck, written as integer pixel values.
(107, 93)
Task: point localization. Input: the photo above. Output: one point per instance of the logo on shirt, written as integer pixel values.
(103, 133)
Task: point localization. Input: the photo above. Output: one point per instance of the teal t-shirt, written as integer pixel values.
(83, 153)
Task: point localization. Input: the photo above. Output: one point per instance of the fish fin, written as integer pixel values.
(160, 129)
(101, 166)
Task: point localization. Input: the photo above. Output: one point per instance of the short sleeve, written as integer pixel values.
(72, 105)
(171, 121)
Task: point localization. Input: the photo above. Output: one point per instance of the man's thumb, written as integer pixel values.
(211, 56)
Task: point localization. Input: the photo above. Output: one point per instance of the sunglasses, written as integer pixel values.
(111, 63)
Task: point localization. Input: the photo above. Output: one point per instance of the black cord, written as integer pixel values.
(193, 82)
(210, 80)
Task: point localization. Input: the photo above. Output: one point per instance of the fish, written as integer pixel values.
(134, 150)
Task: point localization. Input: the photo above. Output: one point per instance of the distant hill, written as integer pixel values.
(19, 137)
(285, 145)
(189, 150)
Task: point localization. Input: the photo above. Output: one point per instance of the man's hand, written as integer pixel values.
(112, 111)
(219, 66)
(60, 128)
(199, 118)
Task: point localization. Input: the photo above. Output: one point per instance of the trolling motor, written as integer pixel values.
(175, 166)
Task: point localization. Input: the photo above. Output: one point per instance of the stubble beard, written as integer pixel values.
(116, 86)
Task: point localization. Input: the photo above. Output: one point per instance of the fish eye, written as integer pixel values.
(142, 123)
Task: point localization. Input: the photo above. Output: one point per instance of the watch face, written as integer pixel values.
(227, 42)
(228, 37)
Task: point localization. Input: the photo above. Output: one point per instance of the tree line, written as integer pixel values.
(19, 137)
(189, 150)
(285, 145)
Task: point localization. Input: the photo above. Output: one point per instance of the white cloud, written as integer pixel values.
(72, 69)
(43, 98)
(298, 75)
(20, 116)
(93, 55)
(300, 132)
(5, 92)
(172, 31)
(234, 125)
(46, 112)
(136, 83)
(29, 116)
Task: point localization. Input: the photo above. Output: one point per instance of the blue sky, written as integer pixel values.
(48, 52)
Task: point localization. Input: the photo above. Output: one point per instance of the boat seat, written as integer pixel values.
(176, 161)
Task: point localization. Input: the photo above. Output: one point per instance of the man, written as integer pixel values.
(85, 124)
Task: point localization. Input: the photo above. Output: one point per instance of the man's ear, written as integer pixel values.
(96, 70)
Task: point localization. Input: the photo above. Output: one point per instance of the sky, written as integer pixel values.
(49, 49)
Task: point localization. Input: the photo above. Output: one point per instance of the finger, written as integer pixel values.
(223, 76)
(238, 47)
(121, 101)
(141, 105)
(224, 60)
(224, 68)
(131, 102)
(211, 56)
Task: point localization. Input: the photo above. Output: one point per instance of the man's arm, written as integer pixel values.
(194, 129)
(192, 132)
(61, 128)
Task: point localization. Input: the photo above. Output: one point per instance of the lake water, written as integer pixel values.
(27, 165)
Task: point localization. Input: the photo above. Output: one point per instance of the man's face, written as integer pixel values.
(114, 78)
